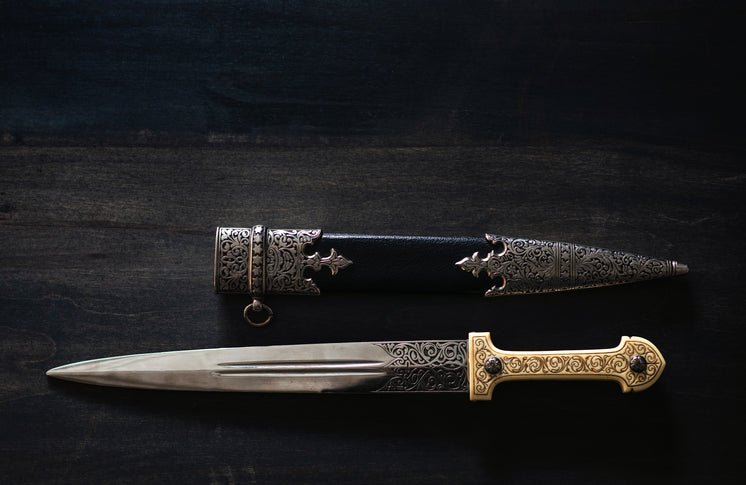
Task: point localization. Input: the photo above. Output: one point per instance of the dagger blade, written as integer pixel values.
(420, 366)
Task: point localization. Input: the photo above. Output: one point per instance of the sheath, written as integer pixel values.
(258, 261)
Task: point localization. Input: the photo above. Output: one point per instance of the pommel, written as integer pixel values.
(635, 364)
(258, 261)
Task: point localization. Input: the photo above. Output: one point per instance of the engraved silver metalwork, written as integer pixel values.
(232, 259)
(286, 261)
(261, 261)
(525, 266)
(426, 366)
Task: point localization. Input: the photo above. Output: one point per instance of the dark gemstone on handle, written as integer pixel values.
(638, 363)
(493, 365)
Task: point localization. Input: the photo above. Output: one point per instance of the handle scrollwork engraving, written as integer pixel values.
(605, 364)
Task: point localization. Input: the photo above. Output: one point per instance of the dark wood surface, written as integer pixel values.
(131, 130)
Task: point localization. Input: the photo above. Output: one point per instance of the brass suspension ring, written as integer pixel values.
(255, 309)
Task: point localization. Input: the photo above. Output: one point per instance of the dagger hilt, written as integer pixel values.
(635, 364)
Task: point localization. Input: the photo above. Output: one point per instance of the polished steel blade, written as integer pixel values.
(420, 366)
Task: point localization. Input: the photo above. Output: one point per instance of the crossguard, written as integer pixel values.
(635, 364)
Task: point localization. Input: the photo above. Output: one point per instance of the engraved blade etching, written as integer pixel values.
(525, 266)
(435, 366)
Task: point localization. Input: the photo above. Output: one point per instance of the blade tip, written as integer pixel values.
(58, 372)
(53, 372)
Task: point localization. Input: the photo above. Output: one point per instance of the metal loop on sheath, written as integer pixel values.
(256, 307)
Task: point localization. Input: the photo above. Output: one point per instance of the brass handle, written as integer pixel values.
(635, 364)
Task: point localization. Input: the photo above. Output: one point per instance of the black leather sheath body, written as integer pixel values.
(401, 263)
(259, 261)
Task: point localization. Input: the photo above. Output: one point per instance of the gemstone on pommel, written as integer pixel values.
(638, 363)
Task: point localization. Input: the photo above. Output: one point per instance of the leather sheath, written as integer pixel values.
(401, 263)
(258, 261)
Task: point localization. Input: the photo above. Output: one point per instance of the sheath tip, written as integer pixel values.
(680, 268)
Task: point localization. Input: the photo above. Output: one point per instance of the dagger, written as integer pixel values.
(474, 365)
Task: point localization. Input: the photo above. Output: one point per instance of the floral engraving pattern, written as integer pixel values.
(428, 366)
(286, 261)
(232, 260)
(602, 364)
(260, 261)
(532, 266)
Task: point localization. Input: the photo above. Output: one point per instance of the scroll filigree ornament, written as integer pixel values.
(286, 261)
(232, 260)
(526, 266)
(438, 366)
(612, 364)
(261, 261)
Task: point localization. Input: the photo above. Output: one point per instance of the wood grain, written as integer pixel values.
(426, 72)
(129, 131)
(108, 250)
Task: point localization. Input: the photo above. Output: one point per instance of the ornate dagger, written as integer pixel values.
(258, 261)
(474, 365)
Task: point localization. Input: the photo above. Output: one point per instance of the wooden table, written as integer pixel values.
(130, 131)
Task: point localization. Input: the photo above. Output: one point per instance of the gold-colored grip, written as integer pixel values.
(635, 364)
